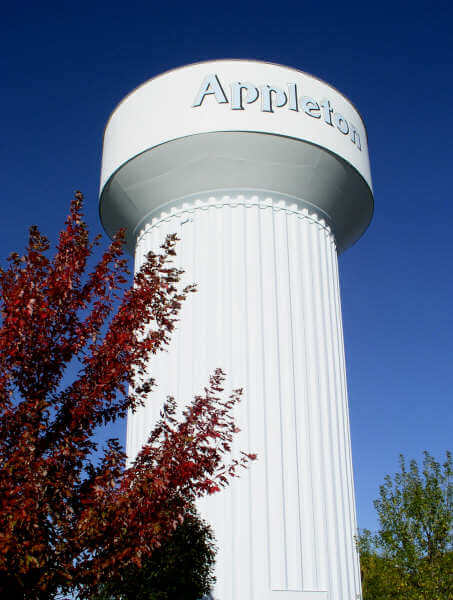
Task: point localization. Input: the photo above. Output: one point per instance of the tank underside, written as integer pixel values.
(308, 175)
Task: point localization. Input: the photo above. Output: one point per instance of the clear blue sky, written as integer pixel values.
(65, 66)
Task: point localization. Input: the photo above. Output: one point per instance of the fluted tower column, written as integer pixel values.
(261, 219)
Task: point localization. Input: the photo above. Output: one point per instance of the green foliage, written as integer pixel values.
(181, 569)
(411, 556)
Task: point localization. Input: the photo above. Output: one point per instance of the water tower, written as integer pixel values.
(263, 172)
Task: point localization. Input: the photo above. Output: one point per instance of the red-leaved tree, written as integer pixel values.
(67, 520)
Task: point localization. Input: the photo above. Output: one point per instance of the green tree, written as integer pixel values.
(411, 555)
(180, 569)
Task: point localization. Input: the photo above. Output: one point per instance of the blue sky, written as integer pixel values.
(65, 66)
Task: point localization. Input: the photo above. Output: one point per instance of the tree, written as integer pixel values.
(68, 521)
(181, 569)
(411, 556)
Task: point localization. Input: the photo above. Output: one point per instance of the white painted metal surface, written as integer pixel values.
(161, 144)
(263, 173)
(162, 109)
(267, 312)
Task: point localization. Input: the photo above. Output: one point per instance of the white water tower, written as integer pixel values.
(263, 172)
